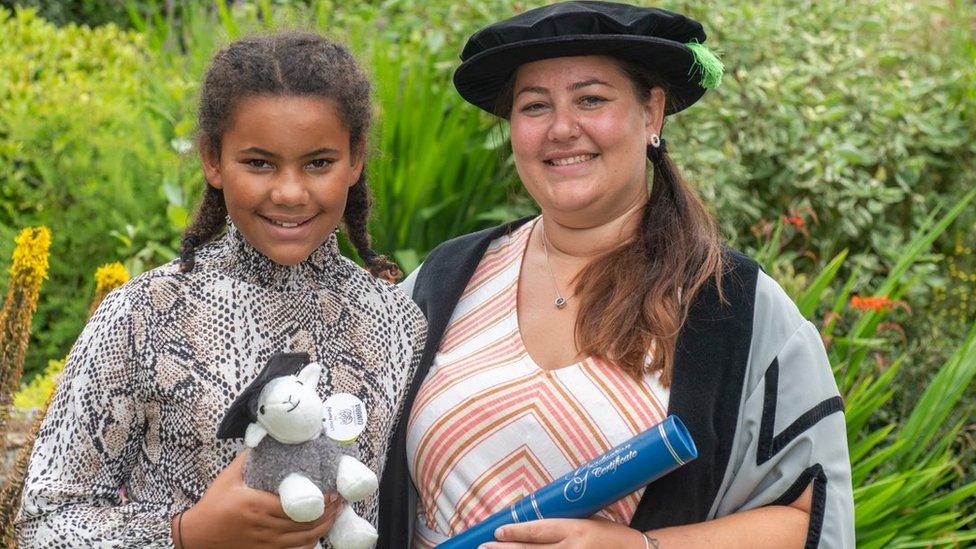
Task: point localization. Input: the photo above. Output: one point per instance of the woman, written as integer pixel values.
(553, 339)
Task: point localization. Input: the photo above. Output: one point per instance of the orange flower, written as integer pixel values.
(871, 303)
(794, 220)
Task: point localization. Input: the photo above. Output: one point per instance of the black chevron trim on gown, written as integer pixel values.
(770, 445)
(818, 505)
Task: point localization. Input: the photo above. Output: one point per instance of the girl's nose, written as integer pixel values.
(289, 189)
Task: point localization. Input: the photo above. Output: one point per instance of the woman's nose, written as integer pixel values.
(564, 125)
(289, 189)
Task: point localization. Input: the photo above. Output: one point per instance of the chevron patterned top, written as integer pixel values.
(490, 426)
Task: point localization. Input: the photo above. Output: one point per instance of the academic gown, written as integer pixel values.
(751, 382)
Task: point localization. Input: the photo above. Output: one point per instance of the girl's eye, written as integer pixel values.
(258, 163)
(319, 163)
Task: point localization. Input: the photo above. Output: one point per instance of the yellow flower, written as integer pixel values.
(107, 278)
(28, 269)
(110, 276)
(30, 263)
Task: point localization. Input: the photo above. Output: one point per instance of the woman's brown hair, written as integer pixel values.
(635, 298)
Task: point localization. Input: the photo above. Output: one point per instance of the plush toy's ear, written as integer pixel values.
(310, 374)
(255, 434)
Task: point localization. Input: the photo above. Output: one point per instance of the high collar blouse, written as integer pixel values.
(130, 437)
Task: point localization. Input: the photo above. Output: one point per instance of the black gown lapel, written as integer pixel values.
(710, 364)
(709, 373)
(440, 283)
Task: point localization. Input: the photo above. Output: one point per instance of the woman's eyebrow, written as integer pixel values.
(590, 82)
(533, 89)
(572, 87)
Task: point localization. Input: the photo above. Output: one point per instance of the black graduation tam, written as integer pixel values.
(668, 43)
(244, 410)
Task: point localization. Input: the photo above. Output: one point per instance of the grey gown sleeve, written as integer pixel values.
(408, 283)
(88, 444)
(791, 429)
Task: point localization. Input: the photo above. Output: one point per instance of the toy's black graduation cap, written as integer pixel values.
(244, 410)
(669, 44)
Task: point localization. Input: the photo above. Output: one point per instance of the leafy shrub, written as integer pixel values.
(35, 393)
(857, 116)
(909, 490)
(78, 154)
(87, 12)
(861, 113)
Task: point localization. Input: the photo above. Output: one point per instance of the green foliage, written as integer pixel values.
(859, 117)
(79, 154)
(437, 175)
(860, 112)
(34, 394)
(903, 468)
(852, 120)
(81, 12)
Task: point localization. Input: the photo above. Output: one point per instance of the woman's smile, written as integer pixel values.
(570, 160)
(579, 136)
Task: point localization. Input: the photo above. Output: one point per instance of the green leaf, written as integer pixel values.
(811, 297)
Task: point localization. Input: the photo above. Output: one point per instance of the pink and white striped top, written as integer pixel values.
(489, 426)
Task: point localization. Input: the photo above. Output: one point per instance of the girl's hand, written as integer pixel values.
(567, 533)
(230, 514)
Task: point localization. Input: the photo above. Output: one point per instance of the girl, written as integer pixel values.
(282, 134)
(555, 338)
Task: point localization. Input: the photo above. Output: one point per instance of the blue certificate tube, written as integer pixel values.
(597, 484)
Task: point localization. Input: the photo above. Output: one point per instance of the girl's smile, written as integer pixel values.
(285, 166)
(285, 229)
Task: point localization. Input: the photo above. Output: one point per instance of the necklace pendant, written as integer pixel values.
(560, 303)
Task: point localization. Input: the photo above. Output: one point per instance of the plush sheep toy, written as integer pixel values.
(280, 416)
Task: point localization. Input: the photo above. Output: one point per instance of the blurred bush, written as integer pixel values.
(82, 153)
(81, 12)
(861, 113)
(838, 129)
(855, 118)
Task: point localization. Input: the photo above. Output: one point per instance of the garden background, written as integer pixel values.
(840, 151)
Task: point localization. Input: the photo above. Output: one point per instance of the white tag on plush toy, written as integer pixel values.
(344, 417)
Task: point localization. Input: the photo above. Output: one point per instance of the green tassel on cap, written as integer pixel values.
(709, 64)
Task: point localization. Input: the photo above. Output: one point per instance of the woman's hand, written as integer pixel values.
(567, 533)
(230, 514)
(770, 526)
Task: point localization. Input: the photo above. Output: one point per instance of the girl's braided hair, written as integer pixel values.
(286, 64)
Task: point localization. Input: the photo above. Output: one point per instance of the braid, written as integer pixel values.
(356, 217)
(299, 64)
(209, 220)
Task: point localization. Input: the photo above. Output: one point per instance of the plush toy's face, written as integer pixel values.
(289, 407)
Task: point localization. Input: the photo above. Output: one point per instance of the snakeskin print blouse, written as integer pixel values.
(151, 375)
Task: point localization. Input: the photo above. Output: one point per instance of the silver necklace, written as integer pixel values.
(561, 301)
